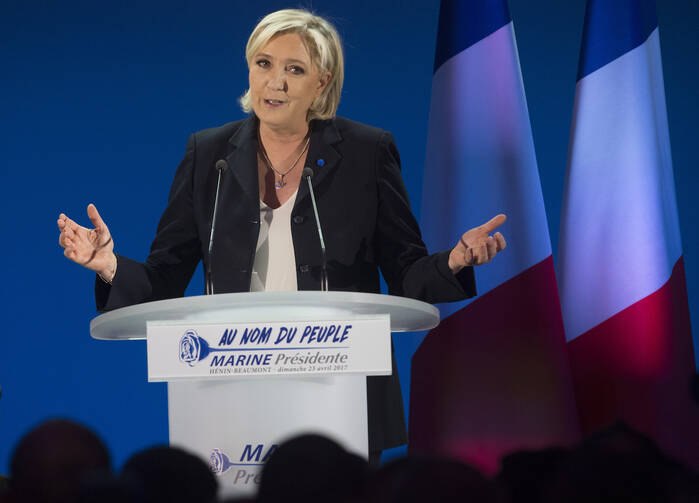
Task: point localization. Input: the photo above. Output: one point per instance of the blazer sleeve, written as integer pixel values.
(174, 254)
(408, 269)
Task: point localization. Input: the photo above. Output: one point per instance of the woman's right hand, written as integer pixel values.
(91, 248)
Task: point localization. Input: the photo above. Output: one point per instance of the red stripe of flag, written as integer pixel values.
(637, 365)
(493, 377)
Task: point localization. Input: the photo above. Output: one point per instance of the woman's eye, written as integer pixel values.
(297, 70)
(263, 63)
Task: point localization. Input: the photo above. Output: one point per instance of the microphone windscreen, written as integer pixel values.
(307, 172)
(221, 165)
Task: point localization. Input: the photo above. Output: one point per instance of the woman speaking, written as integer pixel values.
(266, 237)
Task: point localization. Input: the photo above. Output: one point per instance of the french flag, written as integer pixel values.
(621, 272)
(494, 376)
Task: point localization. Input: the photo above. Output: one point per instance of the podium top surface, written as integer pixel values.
(407, 315)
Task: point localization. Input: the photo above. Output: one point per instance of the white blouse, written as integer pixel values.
(274, 269)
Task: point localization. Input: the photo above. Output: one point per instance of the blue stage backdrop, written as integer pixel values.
(97, 102)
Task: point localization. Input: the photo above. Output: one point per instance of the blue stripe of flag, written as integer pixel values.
(613, 28)
(462, 23)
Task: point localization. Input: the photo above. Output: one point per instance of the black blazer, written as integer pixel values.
(364, 213)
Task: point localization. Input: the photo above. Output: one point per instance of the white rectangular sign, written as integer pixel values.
(198, 350)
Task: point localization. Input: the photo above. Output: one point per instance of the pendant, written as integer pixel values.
(280, 184)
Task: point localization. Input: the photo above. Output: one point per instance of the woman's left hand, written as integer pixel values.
(477, 246)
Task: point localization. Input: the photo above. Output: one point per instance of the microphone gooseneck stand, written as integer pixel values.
(308, 174)
(221, 166)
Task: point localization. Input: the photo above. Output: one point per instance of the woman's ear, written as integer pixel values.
(323, 82)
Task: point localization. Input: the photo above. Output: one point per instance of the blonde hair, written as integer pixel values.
(323, 45)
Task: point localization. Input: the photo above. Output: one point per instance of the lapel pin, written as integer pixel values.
(320, 163)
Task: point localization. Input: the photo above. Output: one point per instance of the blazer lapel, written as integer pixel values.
(323, 158)
(242, 160)
(238, 211)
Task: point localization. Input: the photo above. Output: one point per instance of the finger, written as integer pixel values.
(69, 224)
(480, 254)
(500, 241)
(95, 218)
(468, 256)
(71, 254)
(483, 254)
(491, 248)
(494, 223)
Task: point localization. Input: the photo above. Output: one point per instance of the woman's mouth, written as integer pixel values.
(274, 103)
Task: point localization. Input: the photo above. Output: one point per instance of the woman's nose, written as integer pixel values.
(278, 81)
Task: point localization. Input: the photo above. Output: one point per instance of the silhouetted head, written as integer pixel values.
(169, 475)
(312, 468)
(525, 476)
(53, 461)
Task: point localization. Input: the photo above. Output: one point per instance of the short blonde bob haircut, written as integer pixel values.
(323, 45)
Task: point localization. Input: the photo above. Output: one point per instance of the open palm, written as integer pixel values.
(477, 246)
(91, 248)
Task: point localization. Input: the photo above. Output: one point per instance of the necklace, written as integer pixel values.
(281, 183)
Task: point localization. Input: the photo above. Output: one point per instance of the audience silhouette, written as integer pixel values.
(61, 461)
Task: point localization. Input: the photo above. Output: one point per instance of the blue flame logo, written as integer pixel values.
(219, 462)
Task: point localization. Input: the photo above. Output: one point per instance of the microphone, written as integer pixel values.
(308, 174)
(221, 166)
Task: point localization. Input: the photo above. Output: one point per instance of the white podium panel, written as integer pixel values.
(236, 424)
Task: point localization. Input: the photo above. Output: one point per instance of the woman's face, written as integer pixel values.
(284, 83)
